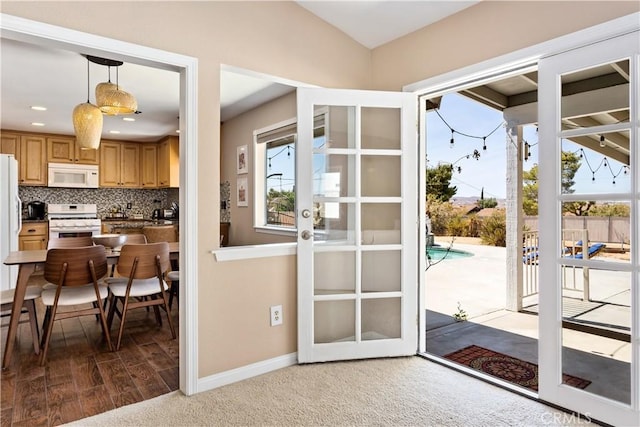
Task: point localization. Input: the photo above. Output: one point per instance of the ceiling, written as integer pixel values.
(33, 75)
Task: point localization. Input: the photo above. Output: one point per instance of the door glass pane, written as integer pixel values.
(381, 318)
(596, 348)
(596, 164)
(380, 176)
(333, 221)
(339, 131)
(381, 271)
(596, 96)
(380, 223)
(605, 226)
(334, 321)
(332, 176)
(381, 128)
(334, 272)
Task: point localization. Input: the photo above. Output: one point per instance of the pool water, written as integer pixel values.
(437, 253)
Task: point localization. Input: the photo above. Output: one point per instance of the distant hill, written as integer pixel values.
(472, 200)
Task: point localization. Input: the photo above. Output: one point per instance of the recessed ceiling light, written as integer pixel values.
(114, 131)
(128, 119)
(37, 124)
(38, 108)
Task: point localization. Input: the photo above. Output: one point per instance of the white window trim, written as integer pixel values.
(259, 183)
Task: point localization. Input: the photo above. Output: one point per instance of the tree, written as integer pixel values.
(281, 201)
(570, 164)
(530, 191)
(438, 180)
(487, 203)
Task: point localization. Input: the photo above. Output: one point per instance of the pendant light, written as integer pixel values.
(87, 122)
(110, 98)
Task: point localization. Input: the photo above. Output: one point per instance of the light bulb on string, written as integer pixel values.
(602, 143)
(452, 141)
(484, 143)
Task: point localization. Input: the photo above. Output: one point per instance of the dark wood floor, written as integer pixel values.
(81, 377)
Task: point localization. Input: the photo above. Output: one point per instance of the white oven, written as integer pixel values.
(73, 220)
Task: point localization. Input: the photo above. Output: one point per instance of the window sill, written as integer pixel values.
(291, 232)
(235, 253)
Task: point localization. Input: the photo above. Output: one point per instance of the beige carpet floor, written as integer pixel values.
(408, 391)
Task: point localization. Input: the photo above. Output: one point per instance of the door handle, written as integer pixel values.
(306, 235)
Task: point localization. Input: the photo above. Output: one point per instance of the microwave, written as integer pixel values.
(73, 176)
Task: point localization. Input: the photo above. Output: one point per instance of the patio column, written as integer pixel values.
(514, 217)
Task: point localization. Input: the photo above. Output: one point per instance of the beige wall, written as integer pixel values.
(484, 31)
(277, 38)
(239, 131)
(282, 39)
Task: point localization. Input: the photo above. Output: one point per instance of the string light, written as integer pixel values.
(453, 132)
(288, 148)
(602, 143)
(603, 163)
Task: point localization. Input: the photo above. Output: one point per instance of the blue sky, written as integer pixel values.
(489, 171)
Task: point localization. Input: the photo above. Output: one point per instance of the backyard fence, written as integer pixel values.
(606, 229)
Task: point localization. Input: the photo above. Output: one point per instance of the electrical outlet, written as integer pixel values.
(276, 315)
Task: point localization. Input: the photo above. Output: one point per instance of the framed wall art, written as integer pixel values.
(242, 191)
(242, 160)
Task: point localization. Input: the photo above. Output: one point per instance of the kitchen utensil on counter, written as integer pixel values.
(112, 241)
(157, 214)
(35, 210)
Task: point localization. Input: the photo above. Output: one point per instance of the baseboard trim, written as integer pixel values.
(246, 372)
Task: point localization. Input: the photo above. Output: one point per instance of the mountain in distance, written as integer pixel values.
(472, 200)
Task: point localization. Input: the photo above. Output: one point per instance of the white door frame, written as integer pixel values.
(504, 66)
(12, 27)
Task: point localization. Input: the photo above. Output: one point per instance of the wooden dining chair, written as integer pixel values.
(28, 307)
(160, 233)
(69, 242)
(142, 284)
(76, 274)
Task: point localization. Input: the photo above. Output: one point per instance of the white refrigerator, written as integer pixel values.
(10, 218)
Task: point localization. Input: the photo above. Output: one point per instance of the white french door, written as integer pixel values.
(357, 219)
(588, 105)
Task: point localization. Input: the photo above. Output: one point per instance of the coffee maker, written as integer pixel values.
(35, 210)
(157, 213)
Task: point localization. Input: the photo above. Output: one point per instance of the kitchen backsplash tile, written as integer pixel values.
(105, 198)
(225, 202)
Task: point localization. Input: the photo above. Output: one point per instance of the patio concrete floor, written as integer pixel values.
(478, 283)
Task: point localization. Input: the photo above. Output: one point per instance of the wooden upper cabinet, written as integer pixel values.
(119, 164)
(32, 160)
(63, 149)
(169, 162)
(149, 166)
(130, 164)
(9, 143)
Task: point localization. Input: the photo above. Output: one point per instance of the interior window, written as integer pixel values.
(275, 195)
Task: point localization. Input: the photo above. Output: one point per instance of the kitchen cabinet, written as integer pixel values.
(149, 166)
(9, 143)
(119, 164)
(32, 160)
(63, 149)
(224, 234)
(169, 162)
(30, 150)
(33, 236)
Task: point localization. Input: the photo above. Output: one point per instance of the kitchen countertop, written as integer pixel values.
(33, 221)
(155, 221)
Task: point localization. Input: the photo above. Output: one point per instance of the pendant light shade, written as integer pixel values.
(87, 124)
(117, 101)
(101, 91)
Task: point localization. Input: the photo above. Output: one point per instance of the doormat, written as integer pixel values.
(516, 371)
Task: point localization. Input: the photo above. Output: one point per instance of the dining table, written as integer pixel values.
(30, 261)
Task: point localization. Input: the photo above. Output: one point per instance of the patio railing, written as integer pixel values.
(570, 281)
